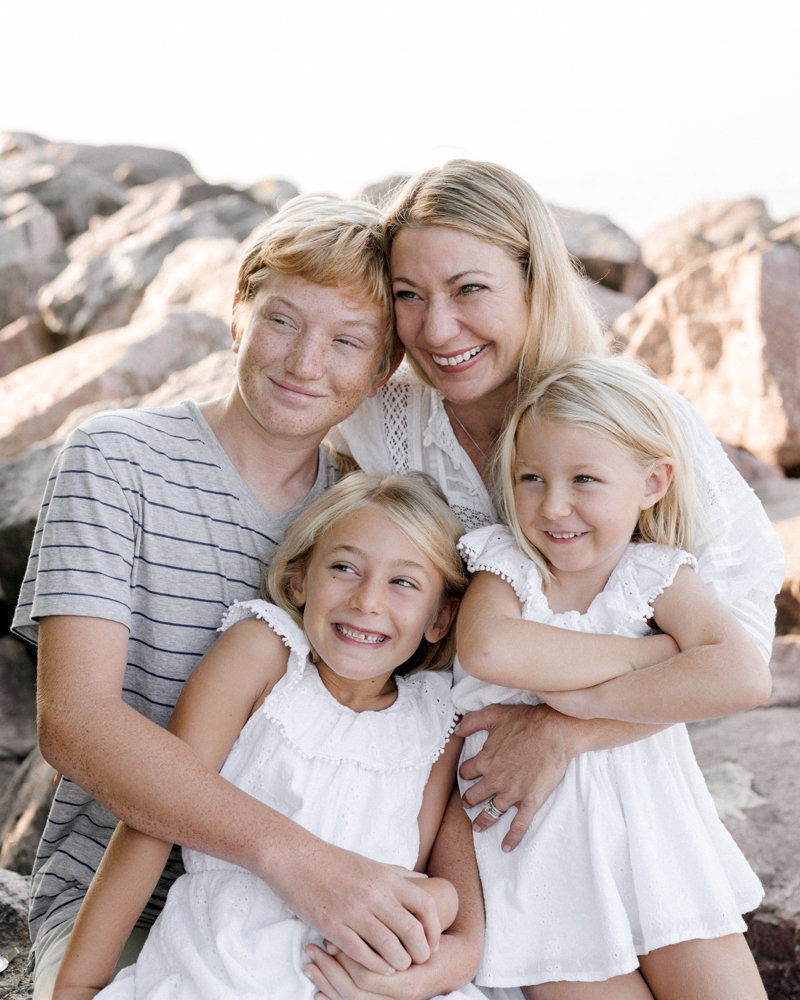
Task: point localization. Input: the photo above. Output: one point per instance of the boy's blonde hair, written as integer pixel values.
(621, 399)
(416, 505)
(328, 241)
(496, 205)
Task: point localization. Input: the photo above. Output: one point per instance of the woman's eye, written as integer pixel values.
(405, 295)
(470, 289)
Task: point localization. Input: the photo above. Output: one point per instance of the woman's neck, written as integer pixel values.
(477, 426)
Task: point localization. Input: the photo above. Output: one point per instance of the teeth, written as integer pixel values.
(456, 359)
(357, 636)
(565, 534)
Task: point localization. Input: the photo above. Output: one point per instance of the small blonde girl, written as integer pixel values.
(626, 885)
(326, 700)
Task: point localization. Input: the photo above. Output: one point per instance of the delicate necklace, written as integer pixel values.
(472, 439)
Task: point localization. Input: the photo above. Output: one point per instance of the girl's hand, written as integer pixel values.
(337, 977)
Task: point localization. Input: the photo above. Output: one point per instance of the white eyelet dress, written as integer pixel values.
(354, 779)
(628, 853)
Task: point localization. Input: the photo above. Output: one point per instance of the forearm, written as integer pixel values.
(121, 887)
(697, 684)
(501, 648)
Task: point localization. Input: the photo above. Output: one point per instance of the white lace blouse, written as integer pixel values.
(739, 555)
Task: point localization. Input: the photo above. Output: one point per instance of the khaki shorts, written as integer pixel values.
(50, 950)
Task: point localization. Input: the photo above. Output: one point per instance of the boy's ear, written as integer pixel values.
(297, 589)
(657, 482)
(440, 626)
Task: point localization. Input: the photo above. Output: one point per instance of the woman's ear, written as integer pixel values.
(657, 482)
(440, 625)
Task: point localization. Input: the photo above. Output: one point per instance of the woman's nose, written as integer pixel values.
(440, 323)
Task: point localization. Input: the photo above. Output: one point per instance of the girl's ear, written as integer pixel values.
(657, 483)
(440, 625)
(297, 589)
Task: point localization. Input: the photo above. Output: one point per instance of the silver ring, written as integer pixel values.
(492, 809)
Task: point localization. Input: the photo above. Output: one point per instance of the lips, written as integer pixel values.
(357, 635)
(451, 360)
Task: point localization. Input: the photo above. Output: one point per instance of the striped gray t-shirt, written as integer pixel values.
(145, 521)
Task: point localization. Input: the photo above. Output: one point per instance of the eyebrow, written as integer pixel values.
(451, 280)
(273, 297)
(409, 563)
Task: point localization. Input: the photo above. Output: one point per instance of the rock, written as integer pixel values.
(752, 764)
(700, 230)
(31, 253)
(608, 255)
(24, 340)
(72, 193)
(272, 194)
(24, 806)
(100, 292)
(199, 274)
(753, 470)
(788, 601)
(724, 333)
(15, 983)
(107, 367)
(609, 305)
(785, 667)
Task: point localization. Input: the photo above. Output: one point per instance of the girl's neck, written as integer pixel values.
(573, 591)
(371, 695)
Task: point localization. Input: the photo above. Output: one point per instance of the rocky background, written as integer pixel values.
(117, 267)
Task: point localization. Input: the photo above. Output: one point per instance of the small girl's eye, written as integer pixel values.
(403, 582)
(529, 477)
(584, 479)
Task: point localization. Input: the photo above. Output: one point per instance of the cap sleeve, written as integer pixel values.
(493, 549)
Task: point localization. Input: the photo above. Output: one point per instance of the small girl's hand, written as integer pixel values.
(578, 704)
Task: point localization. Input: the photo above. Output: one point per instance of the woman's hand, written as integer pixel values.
(337, 977)
(524, 758)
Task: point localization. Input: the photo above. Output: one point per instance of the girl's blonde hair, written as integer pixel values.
(621, 399)
(330, 242)
(496, 205)
(416, 505)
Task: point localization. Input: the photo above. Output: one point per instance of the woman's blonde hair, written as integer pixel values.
(496, 205)
(330, 242)
(621, 399)
(416, 505)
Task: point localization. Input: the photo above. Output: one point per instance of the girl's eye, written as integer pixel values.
(529, 477)
(348, 342)
(279, 320)
(342, 568)
(584, 479)
(403, 582)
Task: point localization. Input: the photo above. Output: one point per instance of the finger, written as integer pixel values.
(486, 818)
(380, 954)
(473, 722)
(417, 926)
(520, 824)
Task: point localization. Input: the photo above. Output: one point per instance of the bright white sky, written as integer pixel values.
(633, 108)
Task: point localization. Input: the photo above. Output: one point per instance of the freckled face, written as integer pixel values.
(307, 355)
(369, 595)
(461, 308)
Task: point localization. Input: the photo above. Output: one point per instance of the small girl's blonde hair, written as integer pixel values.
(621, 399)
(328, 241)
(416, 505)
